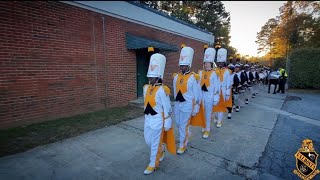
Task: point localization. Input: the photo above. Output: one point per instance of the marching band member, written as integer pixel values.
(186, 95)
(254, 79)
(230, 102)
(247, 83)
(210, 88)
(239, 79)
(158, 129)
(223, 75)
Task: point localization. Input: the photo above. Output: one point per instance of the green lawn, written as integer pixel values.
(20, 139)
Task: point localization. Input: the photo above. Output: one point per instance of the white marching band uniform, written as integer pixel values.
(187, 98)
(210, 88)
(157, 109)
(225, 85)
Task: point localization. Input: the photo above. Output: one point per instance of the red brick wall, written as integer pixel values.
(53, 61)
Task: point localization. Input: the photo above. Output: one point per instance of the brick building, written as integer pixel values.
(65, 58)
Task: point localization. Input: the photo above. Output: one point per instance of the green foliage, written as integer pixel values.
(278, 62)
(297, 26)
(22, 138)
(304, 68)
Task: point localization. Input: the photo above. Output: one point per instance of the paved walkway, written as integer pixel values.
(233, 151)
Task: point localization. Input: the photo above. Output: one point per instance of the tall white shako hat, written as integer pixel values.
(186, 56)
(237, 66)
(222, 55)
(156, 65)
(231, 66)
(209, 55)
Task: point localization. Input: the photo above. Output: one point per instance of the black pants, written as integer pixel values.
(282, 84)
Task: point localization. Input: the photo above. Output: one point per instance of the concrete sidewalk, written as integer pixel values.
(120, 152)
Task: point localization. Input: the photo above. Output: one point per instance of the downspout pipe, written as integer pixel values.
(105, 60)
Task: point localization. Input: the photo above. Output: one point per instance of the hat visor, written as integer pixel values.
(220, 61)
(152, 75)
(184, 64)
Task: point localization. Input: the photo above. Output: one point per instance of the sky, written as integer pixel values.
(247, 18)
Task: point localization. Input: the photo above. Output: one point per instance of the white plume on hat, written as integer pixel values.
(186, 56)
(209, 55)
(157, 65)
(222, 55)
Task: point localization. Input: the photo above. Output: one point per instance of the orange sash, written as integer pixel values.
(150, 96)
(200, 118)
(182, 82)
(205, 79)
(169, 139)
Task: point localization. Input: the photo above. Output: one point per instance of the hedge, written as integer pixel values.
(304, 68)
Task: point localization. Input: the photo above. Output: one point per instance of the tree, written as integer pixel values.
(266, 35)
(153, 4)
(297, 26)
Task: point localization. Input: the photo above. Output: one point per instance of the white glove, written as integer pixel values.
(196, 109)
(167, 124)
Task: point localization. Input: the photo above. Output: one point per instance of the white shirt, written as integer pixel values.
(213, 89)
(162, 105)
(254, 74)
(193, 92)
(262, 75)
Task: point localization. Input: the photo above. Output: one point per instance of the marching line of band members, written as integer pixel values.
(198, 98)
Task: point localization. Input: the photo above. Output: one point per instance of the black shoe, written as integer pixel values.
(229, 115)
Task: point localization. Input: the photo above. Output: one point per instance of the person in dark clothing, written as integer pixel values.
(282, 80)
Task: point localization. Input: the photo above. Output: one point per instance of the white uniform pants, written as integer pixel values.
(254, 88)
(219, 116)
(183, 122)
(248, 93)
(208, 112)
(152, 138)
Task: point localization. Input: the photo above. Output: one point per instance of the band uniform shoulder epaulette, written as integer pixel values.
(196, 76)
(166, 90)
(173, 75)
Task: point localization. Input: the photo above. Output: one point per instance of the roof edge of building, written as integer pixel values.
(168, 16)
(84, 5)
